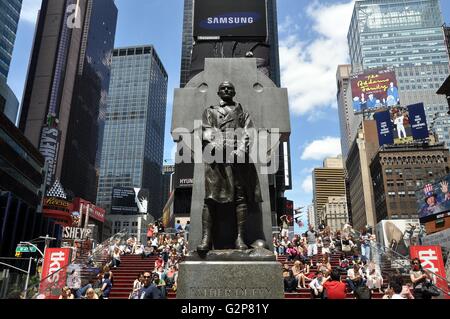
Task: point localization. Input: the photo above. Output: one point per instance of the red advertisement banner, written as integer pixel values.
(431, 259)
(55, 259)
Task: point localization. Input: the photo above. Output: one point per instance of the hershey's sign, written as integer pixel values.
(76, 233)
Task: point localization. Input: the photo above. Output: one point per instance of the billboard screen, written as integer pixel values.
(129, 201)
(374, 89)
(402, 125)
(399, 235)
(218, 18)
(434, 200)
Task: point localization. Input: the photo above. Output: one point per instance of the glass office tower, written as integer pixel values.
(9, 20)
(133, 145)
(406, 35)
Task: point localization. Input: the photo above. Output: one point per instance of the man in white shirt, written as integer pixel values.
(397, 288)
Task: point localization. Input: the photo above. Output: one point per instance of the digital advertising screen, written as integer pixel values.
(374, 90)
(224, 19)
(129, 201)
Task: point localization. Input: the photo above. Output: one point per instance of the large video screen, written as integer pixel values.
(402, 125)
(374, 89)
(434, 199)
(129, 201)
(218, 18)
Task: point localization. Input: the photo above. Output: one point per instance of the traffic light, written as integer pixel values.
(18, 254)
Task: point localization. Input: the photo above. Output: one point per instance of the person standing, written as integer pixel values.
(311, 239)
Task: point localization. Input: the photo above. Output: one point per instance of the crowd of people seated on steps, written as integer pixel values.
(168, 249)
(314, 272)
(356, 272)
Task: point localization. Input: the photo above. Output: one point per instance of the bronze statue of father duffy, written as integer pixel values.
(229, 181)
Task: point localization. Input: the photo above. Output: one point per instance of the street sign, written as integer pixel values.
(25, 249)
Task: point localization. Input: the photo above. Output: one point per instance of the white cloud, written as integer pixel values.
(308, 69)
(30, 10)
(320, 149)
(307, 185)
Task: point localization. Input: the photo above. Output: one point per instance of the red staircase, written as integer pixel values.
(334, 261)
(130, 267)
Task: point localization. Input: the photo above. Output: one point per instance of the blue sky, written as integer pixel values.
(312, 44)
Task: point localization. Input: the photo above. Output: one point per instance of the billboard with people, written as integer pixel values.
(402, 125)
(434, 200)
(399, 235)
(374, 89)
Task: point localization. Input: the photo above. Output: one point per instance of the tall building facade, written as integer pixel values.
(328, 181)
(406, 35)
(312, 216)
(334, 212)
(133, 144)
(348, 121)
(9, 20)
(399, 171)
(360, 190)
(192, 62)
(64, 102)
(188, 42)
(22, 176)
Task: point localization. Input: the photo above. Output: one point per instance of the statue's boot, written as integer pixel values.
(206, 243)
(241, 215)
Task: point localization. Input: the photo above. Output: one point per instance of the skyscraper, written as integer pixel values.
(64, 102)
(408, 36)
(348, 121)
(188, 42)
(9, 20)
(328, 181)
(192, 62)
(133, 145)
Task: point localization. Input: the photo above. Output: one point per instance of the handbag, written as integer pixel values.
(346, 248)
(429, 289)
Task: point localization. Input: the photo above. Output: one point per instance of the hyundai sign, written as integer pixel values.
(215, 19)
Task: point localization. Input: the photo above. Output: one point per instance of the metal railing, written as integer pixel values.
(397, 261)
(80, 271)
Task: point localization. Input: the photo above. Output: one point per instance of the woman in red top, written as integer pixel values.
(334, 288)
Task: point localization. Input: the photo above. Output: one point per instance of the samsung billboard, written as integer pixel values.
(226, 19)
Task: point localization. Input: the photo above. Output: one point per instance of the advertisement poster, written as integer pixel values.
(434, 200)
(55, 259)
(399, 235)
(402, 125)
(129, 201)
(218, 18)
(384, 127)
(374, 89)
(431, 259)
(418, 121)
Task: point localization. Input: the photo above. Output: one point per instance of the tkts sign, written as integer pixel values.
(431, 259)
(54, 272)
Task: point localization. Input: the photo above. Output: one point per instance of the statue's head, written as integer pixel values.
(226, 91)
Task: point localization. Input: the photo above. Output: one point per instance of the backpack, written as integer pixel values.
(363, 293)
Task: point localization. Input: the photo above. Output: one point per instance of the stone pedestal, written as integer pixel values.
(230, 280)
